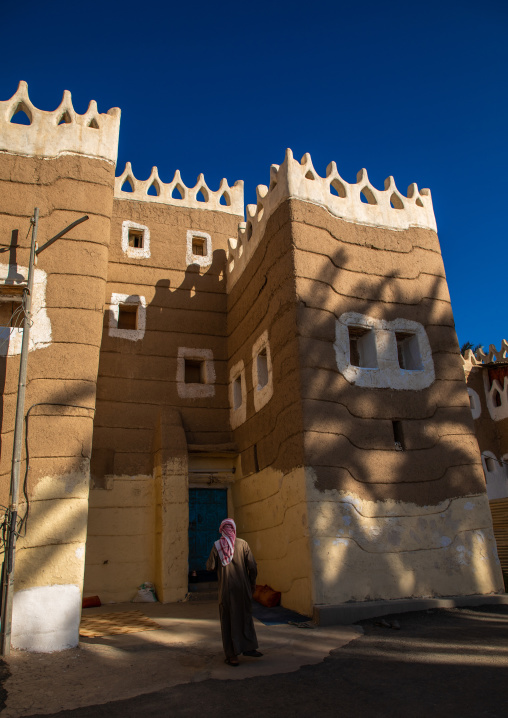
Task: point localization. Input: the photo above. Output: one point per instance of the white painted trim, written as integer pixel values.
(135, 252)
(190, 258)
(46, 618)
(496, 412)
(262, 394)
(40, 331)
(44, 137)
(388, 373)
(497, 478)
(237, 416)
(195, 391)
(133, 335)
(476, 405)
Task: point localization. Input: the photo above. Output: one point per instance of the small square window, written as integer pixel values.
(194, 371)
(136, 238)
(408, 351)
(198, 246)
(127, 316)
(362, 347)
(11, 314)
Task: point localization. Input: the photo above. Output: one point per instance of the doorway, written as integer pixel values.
(207, 508)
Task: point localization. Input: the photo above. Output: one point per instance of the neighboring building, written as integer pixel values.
(487, 386)
(299, 371)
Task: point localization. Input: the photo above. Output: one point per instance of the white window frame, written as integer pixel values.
(201, 260)
(133, 335)
(262, 395)
(388, 373)
(237, 416)
(195, 391)
(135, 252)
(476, 405)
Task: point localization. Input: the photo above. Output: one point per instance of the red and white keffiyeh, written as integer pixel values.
(226, 544)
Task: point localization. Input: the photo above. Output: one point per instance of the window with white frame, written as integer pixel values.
(383, 354)
(127, 316)
(237, 394)
(199, 248)
(135, 240)
(195, 373)
(262, 375)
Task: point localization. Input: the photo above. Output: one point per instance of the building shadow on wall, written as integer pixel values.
(182, 314)
(439, 461)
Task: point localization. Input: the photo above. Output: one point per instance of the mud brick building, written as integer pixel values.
(298, 370)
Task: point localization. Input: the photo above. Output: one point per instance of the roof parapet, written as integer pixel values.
(386, 208)
(232, 197)
(61, 131)
(470, 360)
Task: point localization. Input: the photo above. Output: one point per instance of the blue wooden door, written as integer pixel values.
(207, 508)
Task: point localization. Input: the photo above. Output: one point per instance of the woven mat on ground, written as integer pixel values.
(110, 624)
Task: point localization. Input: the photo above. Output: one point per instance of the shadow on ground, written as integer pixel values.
(440, 663)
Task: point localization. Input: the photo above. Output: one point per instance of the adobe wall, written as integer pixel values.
(269, 493)
(386, 523)
(62, 369)
(67, 171)
(487, 386)
(183, 305)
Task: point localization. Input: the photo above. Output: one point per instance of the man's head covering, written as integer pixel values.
(226, 544)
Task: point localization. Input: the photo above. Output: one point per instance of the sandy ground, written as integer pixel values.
(186, 649)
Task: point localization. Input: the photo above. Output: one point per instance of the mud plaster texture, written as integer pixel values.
(64, 372)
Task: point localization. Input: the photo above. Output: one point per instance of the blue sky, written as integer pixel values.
(413, 90)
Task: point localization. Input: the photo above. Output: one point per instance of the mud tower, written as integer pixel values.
(299, 371)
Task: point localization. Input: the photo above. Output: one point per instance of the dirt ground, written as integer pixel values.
(444, 663)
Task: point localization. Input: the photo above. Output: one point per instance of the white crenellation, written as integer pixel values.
(480, 357)
(178, 195)
(61, 131)
(386, 208)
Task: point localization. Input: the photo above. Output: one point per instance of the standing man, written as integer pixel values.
(236, 571)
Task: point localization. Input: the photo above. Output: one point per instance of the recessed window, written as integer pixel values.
(194, 371)
(490, 464)
(398, 436)
(136, 238)
(198, 246)
(408, 351)
(127, 316)
(362, 347)
(262, 368)
(11, 314)
(237, 392)
(497, 398)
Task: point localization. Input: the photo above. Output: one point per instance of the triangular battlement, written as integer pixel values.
(361, 203)
(61, 131)
(225, 199)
